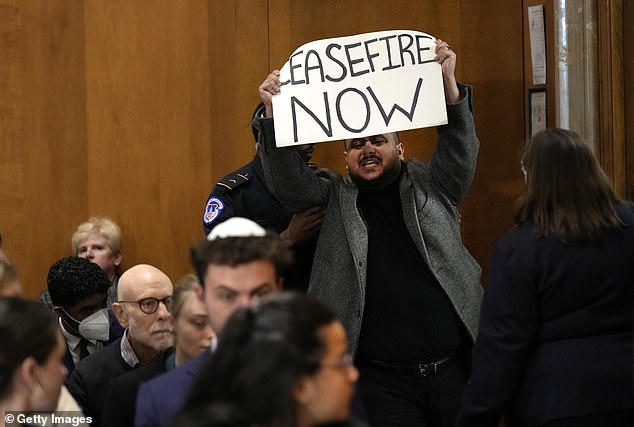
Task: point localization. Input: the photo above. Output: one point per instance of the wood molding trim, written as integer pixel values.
(611, 88)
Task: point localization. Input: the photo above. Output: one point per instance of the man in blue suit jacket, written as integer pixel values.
(239, 263)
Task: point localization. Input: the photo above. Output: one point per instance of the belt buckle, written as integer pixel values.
(425, 370)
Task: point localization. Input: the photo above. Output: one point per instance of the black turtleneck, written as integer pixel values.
(408, 318)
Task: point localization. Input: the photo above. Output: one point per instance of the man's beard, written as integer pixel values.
(389, 175)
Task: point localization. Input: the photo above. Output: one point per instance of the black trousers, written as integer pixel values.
(404, 400)
(624, 418)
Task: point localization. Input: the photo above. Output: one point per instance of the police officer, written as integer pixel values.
(244, 193)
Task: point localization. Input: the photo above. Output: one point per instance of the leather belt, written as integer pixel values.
(422, 370)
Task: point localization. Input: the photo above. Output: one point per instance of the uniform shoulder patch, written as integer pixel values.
(234, 179)
(213, 209)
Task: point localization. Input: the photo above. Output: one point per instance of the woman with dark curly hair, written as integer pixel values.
(282, 363)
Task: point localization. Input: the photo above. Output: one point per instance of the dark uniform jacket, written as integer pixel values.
(244, 193)
(555, 336)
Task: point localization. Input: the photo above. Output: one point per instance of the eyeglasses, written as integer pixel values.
(149, 305)
(345, 362)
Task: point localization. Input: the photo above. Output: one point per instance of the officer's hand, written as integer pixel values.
(303, 225)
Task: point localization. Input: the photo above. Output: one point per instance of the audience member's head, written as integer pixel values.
(283, 362)
(567, 193)
(31, 368)
(78, 291)
(238, 263)
(192, 332)
(9, 280)
(143, 309)
(99, 241)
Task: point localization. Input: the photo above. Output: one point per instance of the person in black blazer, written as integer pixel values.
(192, 336)
(554, 346)
(143, 309)
(120, 401)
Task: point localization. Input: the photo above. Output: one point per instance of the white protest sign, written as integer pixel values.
(361, 85)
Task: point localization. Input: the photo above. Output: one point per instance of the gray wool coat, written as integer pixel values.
(430, 195)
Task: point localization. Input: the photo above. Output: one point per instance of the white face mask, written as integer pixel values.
(96, 326)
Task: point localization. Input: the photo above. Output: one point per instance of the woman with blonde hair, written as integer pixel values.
(192, 332)
(99, 241)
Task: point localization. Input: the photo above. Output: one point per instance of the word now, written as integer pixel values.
(326, 124)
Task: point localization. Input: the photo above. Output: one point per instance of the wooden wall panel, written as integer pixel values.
(44, 142)
(11, 128)
(133, 109)
(628, 85)
(147, 69)
(487, 38)
(238, 64)
(611, 151)
(492, 60)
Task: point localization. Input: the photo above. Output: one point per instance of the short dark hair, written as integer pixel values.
(261, 352)
(567, 193)
(27, 329)
(71, 279)
(234, 251)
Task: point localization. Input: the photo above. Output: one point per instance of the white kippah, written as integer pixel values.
(236, 227)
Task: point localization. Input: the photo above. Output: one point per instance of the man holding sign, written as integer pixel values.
(390, 260)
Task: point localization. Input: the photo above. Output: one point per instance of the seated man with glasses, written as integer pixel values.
(144, 295)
